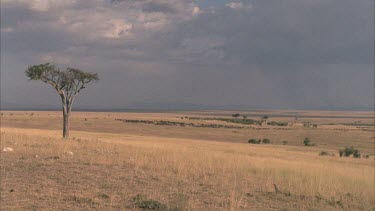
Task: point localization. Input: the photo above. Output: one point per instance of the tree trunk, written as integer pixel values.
(66, 114)
(67, 108)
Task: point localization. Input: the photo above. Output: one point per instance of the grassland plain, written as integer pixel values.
(112, 165)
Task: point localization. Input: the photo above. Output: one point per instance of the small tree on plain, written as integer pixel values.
(67, 83)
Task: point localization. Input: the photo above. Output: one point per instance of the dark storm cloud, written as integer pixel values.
(289, 54)
(284, 32)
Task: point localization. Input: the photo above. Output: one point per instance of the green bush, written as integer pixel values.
(235, 115)
(259, 141)
(307, 142)
(254, 141)
(348, 151)
(266, 141)
(273, 123)
(356, 153)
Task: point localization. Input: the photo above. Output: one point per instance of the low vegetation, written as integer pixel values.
(245, 120)
(236, 115)
(273, 123)
(259, 141)
(349, 151)
(266, 141)
(254, 141)
(181, 124)
(307, 142)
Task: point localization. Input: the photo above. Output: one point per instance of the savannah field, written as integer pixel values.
(187, 161)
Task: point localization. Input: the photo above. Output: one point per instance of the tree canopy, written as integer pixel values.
(67, 83)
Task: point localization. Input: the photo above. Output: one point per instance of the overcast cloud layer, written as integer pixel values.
(314, 54)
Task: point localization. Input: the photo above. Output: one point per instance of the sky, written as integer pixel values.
(181, 54)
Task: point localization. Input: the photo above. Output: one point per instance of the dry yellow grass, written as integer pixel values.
(107, 170)
(326, 136)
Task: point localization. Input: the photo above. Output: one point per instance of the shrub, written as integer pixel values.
(259, 141)
(348, 151)
(285, 142)
(307, 142)
(273, 123)
(254, 141)
(266, 141)
(235, 115)
(366, 156)
(356, 153)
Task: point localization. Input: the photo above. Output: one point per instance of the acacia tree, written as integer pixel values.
(67, 83)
